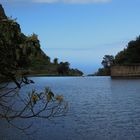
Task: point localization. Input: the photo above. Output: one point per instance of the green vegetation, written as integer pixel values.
(129, 56)
(26, 50)
(107, 62)
(18, 55)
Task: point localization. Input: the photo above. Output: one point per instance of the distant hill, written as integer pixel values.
(27, 52)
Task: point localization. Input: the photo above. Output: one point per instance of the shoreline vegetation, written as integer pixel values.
(40, 74)
(128, 57)
(24, 53)
(21, 55)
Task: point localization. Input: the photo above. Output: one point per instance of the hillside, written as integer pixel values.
(25, 51)
(127, 57)
(130, 55)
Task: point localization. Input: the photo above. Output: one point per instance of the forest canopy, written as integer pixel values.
(26, 51)
(19, 54)
(129, 56)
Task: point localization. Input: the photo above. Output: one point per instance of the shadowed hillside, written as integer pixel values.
(25, 51)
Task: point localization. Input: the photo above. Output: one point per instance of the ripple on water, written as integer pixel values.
(99, 109)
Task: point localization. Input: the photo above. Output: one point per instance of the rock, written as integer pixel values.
(2, 13)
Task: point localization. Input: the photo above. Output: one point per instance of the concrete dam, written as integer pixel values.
(128, 71)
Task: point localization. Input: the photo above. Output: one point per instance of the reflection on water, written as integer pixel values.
(99, 109)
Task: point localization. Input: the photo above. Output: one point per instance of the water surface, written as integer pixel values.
(99, 109)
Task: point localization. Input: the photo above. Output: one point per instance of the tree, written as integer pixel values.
(63, 68)
(103, 72)
(130, 55)
(15, 105)
(107, 61)
(55, 61)
(75, 72)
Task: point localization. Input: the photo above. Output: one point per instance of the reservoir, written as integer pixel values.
(99, 108)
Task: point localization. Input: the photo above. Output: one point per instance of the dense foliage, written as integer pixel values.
(130, 55)
(19, 54)
(107, 62)
(26, 50)
(17, 51)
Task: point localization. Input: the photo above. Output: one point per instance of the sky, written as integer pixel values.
(78, 31)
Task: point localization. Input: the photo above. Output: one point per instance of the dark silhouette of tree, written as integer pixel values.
(16, 105)
(63, 68)
(107, 61)
(55, 61)
(130, 55)
(75, 72)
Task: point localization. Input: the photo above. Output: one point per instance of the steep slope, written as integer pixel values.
(24, 52)
(2, 13)
(130, 55)
(27, 47)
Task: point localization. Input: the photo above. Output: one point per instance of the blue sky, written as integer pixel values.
(78, 31)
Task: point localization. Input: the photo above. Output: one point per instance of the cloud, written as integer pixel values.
(72, 1)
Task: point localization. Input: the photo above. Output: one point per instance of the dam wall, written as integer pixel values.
(129, 71)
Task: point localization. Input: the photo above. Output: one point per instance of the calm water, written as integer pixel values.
(99, 109)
